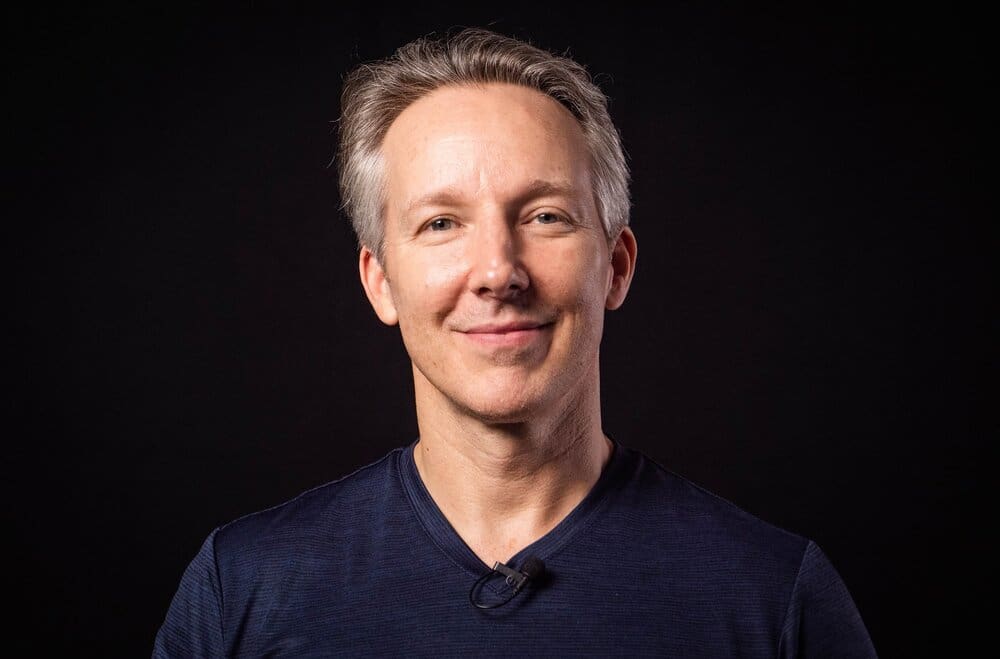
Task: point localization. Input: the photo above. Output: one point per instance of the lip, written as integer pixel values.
(512, 334)
(505, 328)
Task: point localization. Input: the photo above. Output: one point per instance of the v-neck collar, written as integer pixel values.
(448, 540)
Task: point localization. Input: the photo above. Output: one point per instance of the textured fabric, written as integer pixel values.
(647, 565)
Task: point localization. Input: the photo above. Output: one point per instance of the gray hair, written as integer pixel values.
(375, 94)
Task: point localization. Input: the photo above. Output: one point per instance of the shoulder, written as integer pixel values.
(712, 551)
(696, 529)
(315, 517)
(244, 568)
(822, 618)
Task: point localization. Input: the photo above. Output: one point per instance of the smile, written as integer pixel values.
(508, 335)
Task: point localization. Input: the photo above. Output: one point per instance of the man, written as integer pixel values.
(489, 193)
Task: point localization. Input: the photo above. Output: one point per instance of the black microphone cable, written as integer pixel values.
(531, 568)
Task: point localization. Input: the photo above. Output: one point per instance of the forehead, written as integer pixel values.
(474, 140)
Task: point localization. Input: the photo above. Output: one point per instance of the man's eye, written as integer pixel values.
(547, 218)
(441, 224)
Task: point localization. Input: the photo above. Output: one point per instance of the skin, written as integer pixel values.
(498, 272)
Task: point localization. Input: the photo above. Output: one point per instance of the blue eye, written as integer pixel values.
(547, 218)
(440, 224)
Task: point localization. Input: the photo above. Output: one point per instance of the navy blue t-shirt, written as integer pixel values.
(647, 564)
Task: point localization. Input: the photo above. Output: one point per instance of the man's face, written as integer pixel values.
(496, 265)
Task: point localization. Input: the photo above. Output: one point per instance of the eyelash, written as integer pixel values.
(450, 222)
(555, 216)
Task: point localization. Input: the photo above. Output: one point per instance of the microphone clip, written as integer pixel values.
(531, 568)
(514, 578)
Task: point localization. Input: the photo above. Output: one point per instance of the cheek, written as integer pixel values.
(442, 275)
(577, 278)
(425, 286)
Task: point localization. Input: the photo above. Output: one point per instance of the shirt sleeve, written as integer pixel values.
(822, 619)
(193, 625)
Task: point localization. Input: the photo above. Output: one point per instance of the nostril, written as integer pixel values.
(513, 282)
(495, 265)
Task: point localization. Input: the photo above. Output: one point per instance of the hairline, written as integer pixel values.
(378, 158)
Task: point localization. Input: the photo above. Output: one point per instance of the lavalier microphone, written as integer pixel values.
(531, 568)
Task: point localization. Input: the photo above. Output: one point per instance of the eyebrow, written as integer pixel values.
(453, 196)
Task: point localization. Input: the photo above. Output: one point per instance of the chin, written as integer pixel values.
(495, 416)
(499, 408)
(497, 398)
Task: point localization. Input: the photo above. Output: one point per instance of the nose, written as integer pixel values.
(497, 270)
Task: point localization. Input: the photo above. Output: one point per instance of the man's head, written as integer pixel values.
(375, 94)
(491, 247)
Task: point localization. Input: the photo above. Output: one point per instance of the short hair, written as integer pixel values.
(375, 94)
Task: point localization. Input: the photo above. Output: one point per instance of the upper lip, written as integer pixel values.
(502, 328)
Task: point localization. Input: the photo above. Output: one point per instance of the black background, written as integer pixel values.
(189, 341)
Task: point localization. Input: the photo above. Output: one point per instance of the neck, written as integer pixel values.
(504, 485)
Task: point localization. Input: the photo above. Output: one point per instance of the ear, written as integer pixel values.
(623, 255)
(376, 286)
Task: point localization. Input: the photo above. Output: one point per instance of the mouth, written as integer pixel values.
(505, 328)
(512, 335)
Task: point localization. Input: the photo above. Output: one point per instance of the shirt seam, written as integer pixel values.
(219, 594)
(791, 594)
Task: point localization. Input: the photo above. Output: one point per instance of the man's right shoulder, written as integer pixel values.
(316, 516)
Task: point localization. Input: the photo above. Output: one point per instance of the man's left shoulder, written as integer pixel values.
(759, 584)
(691, 521)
